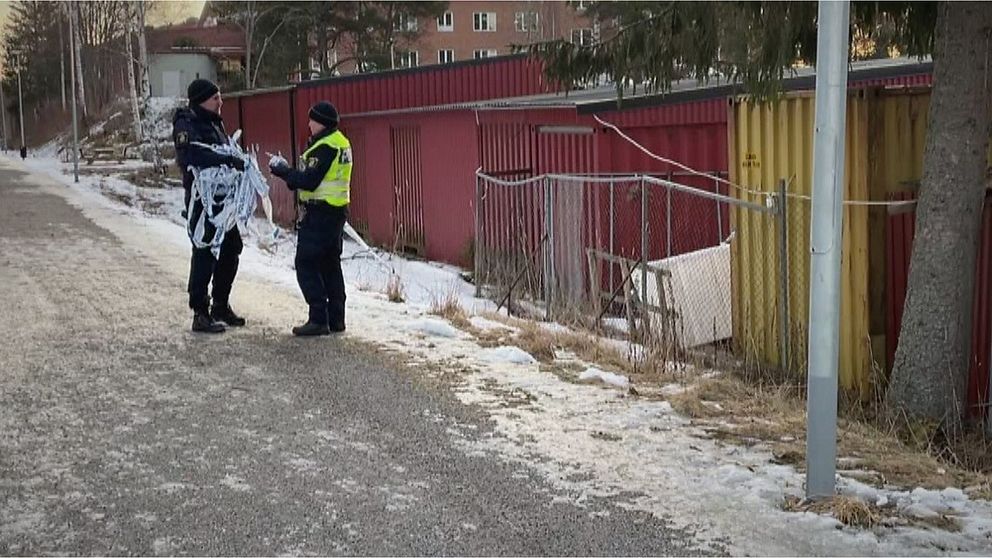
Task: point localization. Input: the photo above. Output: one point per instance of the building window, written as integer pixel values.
(446, 22)
(525, 21)
(445, 56)
(582, 37)
(484, 53)
(484, 21)
(405, 23)
(407, 59)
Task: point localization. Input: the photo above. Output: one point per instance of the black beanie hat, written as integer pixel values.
(324, 113)
(200, 90)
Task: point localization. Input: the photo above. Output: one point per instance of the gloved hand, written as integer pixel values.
(280, 170)
(277, 161)
(237, 163)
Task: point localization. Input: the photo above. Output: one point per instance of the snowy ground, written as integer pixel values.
(590, 438)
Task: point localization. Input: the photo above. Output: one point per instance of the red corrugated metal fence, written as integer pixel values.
(267, 127)
(407, 188)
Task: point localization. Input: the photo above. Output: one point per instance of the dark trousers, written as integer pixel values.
(222, 270)
(318, 262)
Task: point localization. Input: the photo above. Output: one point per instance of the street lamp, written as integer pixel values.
(3, 116)
(75, 129)
(17, 60)
(20, 108)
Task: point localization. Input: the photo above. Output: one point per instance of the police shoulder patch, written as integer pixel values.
(312, 162)
(182, 138)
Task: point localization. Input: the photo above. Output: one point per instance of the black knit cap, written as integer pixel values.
(200, 90)
(324, 113)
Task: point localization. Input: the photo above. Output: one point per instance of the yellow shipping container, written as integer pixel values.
(771, 142)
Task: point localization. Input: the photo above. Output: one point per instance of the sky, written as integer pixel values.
(165, 11)
(162, 12)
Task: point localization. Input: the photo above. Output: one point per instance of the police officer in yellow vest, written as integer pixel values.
(322, 186)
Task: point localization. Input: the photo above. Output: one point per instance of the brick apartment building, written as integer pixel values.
(479, 29)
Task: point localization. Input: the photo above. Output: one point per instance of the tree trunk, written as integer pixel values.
(131, 81)
(146, 89)
(250, 19)
(932, 360)
(62, 63)
(77, 47)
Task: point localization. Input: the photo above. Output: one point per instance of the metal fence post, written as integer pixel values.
(783, 279)
(719, 214)
(612, 231)
(549, 264)
(644, 241)
(668, 218)
(477, 253)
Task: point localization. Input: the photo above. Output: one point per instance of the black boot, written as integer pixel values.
(310, 329)
(226, 315)
(203, 323)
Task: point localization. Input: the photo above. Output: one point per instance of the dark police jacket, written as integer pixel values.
(197, 124)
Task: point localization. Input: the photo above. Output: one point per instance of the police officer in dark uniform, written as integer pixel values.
(201, 122)
(322, 186)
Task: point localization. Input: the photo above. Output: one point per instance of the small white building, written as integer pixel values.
(170, 74)
(178, 54)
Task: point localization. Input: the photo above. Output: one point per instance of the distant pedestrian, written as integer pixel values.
(24, 152)
(323, 187)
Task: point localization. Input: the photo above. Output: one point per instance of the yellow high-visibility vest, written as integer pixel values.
(335, 188)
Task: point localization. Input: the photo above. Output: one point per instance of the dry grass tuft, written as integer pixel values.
(849, 511)
(450, 308)
(394, 289)
(749, 404)
(943, 522)
(539, 342)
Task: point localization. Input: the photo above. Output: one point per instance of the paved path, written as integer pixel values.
(123, 433)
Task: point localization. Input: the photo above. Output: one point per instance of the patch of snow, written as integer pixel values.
(435, 327)
(619, 324)
(673, 389)
(636, 351)
(486, 324)
(507, 354)
(610, 378)
(553, 327)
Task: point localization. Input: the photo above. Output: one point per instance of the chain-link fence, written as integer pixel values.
(648, 254)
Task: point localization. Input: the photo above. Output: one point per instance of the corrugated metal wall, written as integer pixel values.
(898, 142)
(899, 232)
(885, 144)
(267, 126)
(900, 244)
(358, 208)
(981, 335)
(494, 78)
(912, 80)
(694, 134)
(415, 174)
(511, 218)
(231, 112)
(450, 158)
(408, 197)
(769, 143)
